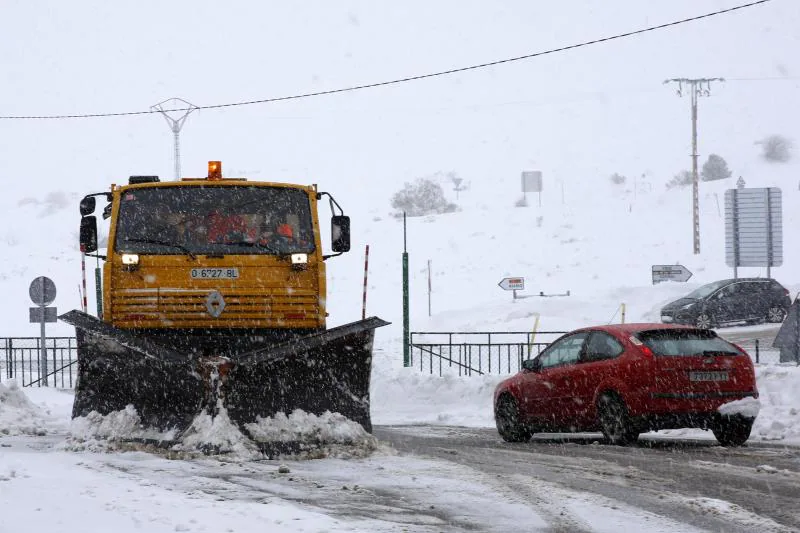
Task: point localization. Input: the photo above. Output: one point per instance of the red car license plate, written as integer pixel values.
(708, 376)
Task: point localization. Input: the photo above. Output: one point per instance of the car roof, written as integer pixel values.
(731, 280)
(629, 329)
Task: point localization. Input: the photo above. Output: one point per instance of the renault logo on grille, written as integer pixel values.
(215, 303)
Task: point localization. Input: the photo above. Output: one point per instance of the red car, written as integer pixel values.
(627, 379)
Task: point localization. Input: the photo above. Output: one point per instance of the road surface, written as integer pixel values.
(687, 481)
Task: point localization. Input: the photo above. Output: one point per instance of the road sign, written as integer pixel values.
(670, 273)
(532, 181)
(788, 337)
(43, 314)
(753, 228)
(512, 284)
(42, 291)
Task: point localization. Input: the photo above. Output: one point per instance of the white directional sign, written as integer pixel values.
(512, 284)
(670, 273)
(532, 181)
(754, 227)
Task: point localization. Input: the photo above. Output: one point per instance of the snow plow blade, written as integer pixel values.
(327, 371)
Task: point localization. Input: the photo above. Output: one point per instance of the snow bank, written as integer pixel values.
(779, 395)
(94, 431)
(330, 434)
(300, 434)
(18, 414)
(407, 396)
(216, 434)
(747, 407)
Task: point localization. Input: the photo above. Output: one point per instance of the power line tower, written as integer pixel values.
(697, 87)
(175, 121)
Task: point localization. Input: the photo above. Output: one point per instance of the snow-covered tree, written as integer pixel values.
(423, 197)
(618, 179)
(681, 179)
(715, 168)
(776, 148)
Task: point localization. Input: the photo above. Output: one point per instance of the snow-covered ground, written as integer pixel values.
(578, 116)
(598, 246)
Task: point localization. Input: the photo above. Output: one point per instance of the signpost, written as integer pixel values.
(788, 337)
(42, 292)
(670, 273)
(532, 182)
(753, 228)
(512, 284)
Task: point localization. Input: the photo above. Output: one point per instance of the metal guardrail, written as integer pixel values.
(452, 353)
(21, 360)
(479, 353)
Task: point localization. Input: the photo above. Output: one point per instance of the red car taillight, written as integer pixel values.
(643, 349)
(646, 351)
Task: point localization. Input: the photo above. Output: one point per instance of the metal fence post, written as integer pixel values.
(9, 360)
(757, 352)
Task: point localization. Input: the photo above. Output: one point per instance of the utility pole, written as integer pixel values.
(698, 87)
(174, 105)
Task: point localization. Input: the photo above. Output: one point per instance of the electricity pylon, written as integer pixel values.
(174, 106)
(698, 87)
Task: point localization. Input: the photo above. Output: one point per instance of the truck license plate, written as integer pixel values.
(215, 273)
(708, 376)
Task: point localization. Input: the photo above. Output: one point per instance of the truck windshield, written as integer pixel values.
(214, 220)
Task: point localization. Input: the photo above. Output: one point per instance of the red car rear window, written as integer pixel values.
(687, 342)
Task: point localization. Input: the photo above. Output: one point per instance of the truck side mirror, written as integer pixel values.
(88, 234)
(340, 233)
(87, 205)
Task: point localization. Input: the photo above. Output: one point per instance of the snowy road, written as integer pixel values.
(693, 482)
(421, 479)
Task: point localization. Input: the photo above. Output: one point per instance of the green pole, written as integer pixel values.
(98, 292)
(406, 329)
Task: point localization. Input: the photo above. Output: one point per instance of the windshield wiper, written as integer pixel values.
(165, 243)
(253, 244)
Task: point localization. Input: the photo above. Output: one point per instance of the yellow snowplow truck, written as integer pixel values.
(214, 298)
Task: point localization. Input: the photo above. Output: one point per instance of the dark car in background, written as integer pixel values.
(626, 379)
(729, 301)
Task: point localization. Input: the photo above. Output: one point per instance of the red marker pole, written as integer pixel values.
(83, 275)
(366, 270)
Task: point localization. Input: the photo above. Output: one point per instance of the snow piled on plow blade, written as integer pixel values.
(319, 373)
(299, 435)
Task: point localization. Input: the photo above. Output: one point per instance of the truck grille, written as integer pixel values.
(188, 308)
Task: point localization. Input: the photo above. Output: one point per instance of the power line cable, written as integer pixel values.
(408, 78)
(763, 79)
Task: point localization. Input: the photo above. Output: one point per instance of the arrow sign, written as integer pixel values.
(512, 284)
(670, 273)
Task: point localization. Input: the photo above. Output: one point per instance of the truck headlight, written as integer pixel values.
(130, 259)
(299, 261)
(130, 262)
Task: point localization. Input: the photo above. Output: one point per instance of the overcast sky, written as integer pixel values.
(576, 115)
